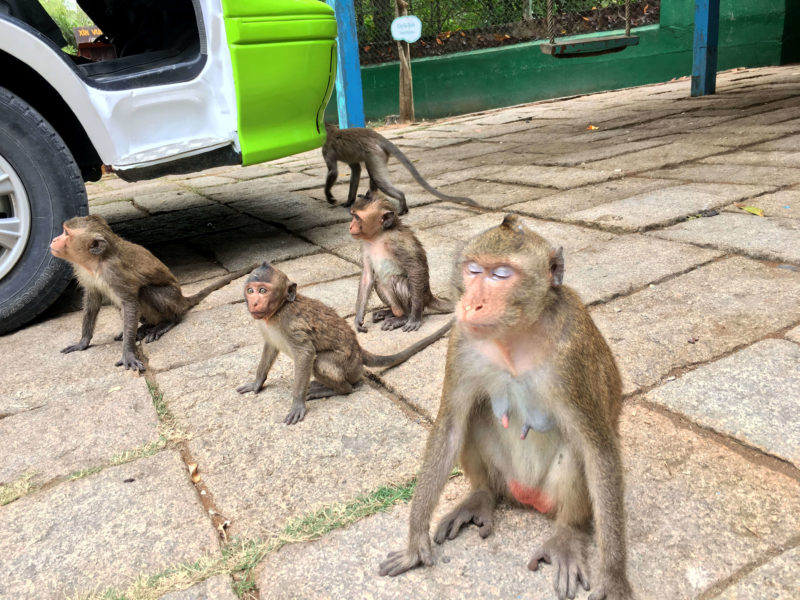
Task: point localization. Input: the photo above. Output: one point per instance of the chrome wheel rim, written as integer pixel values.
(15, 218)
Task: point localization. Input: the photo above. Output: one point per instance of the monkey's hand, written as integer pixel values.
(612, 587)
(82, 345)
(129, 361)
(360, 325)
(412, 324)
(296, 414)
(417, 553)
(254, 386)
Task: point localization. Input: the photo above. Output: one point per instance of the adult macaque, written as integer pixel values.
(531, 398)
(358, 145)
(317, 339)
(134, 280)
(395, 264)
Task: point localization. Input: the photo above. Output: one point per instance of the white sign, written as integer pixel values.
(408, 28)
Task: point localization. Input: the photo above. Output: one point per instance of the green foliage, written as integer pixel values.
(66, 18)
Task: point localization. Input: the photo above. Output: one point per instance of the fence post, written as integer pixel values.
(349, 95)
(706, 36)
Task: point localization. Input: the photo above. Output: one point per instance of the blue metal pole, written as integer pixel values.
(349, 95)
(706, 36)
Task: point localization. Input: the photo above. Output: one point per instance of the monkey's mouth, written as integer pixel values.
(259, 314)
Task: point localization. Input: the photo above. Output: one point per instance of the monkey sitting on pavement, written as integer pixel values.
(531, 399)
(317, 339)
(134, 280)
(358, 145)
(395, 264)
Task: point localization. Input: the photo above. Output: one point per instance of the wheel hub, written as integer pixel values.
(15, 218)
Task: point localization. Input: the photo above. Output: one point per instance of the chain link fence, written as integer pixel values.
(458, 25)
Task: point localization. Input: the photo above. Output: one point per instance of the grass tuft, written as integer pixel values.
(17, 489)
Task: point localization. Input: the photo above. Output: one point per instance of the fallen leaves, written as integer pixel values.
(753, 210)
(193, 472)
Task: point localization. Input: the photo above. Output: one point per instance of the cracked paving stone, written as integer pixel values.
(774, 580)
(729, 513)
(794, 335)
(556, 177)
(766, 177)
(214, 588)
(718, 307)
(495, 195)
(103, 530)
(117, 212)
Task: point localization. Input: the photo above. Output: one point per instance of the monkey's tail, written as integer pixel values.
(398, 154)
(440, 306)
(376, 360)
(195, 299)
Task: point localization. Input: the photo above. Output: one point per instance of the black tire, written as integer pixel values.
(55, 191)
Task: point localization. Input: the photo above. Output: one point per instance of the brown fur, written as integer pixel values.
(128, 274)
(541, 366)
(358, 145)
(395, 265)
(318, 340)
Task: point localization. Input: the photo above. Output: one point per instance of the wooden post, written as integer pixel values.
(406, 85)
(349, 94)
(706, 36)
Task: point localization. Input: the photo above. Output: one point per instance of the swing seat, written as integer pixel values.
(590, 47)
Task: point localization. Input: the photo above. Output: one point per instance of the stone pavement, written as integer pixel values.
(699, 300)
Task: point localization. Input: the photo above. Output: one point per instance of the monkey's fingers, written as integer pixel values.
(412, 325)
(249, 387)
(392, 323)
(130, 362)
(75, 347)
(295, 415)
(541, 555)
(399, 562)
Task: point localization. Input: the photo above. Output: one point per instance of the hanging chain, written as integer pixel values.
(627, 18)
(551, 22)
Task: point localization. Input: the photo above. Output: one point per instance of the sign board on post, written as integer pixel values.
(407, 29)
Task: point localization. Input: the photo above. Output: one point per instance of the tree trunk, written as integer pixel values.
(406, 86)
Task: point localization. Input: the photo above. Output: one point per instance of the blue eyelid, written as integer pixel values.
(474, 268)
(502, 272)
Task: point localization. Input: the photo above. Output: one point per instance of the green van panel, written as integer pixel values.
(284, 66)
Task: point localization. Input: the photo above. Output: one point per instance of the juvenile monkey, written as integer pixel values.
(134, 280)
(358, 145)
(317, 339)
(395, 264)
(531, 398)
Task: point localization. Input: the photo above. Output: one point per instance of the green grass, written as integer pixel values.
(17, 489)
(66, 18)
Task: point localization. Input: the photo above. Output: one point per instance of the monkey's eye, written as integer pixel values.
(249, 290)
(262, 290)
(502, 272)
(474, 268)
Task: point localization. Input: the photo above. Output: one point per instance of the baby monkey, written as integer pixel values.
(317, 339)
(395, 264)
(134, 280)
(358, 145)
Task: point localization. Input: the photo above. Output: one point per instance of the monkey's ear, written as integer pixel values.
(556, 266)
(388, 219)
(98, 245)
(291, 292)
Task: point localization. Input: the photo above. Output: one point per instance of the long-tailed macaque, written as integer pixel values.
(134, 280)
(531, 398)
(358, 145)
(395, 264)
(317, 339)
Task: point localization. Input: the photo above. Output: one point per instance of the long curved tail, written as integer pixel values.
(195, 299)
(375, 360)
(388, 146)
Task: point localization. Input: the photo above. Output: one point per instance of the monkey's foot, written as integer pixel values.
(394, 323)
(613, 587)
(317, 390)
(566, 551)
(412, 324)
(296, 414)
(129, 361)
(254, 387)
(404, 560)
(75, 347)
(156, 331)
(477, 508)
(380, 315)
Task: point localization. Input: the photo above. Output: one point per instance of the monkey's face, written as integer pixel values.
(79, 245)
(486, 305)
(371, 216)
(59, 247)
(264, 298)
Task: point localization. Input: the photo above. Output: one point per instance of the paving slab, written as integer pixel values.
(187, 263)
(557, 177)
(329, 236)
(295, 211)
(775, 580)
(491, 194)
(261, 187)
(436, 214)
(581, 198)
(788, 143)
(102, 531)
(665, 206)
(730, 514)
(340, 295)
(782, 204)
(116, 212)
(697, 317)
(205, 181)
(110, 189)
(345, 446)
(254, 245)
(593, 155)
(794, 335)
(766, 238)
(169, 201)
(769, 177)
(750, 395)
(745, 157)
(215, 588)
(65, 434)
(656, 157)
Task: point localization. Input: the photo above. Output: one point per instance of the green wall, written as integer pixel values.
(752, 33)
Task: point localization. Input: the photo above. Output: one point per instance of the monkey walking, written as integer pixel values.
(134, 280)
(531, 398)
(358, 145)
(395, 264)
(317, 339)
